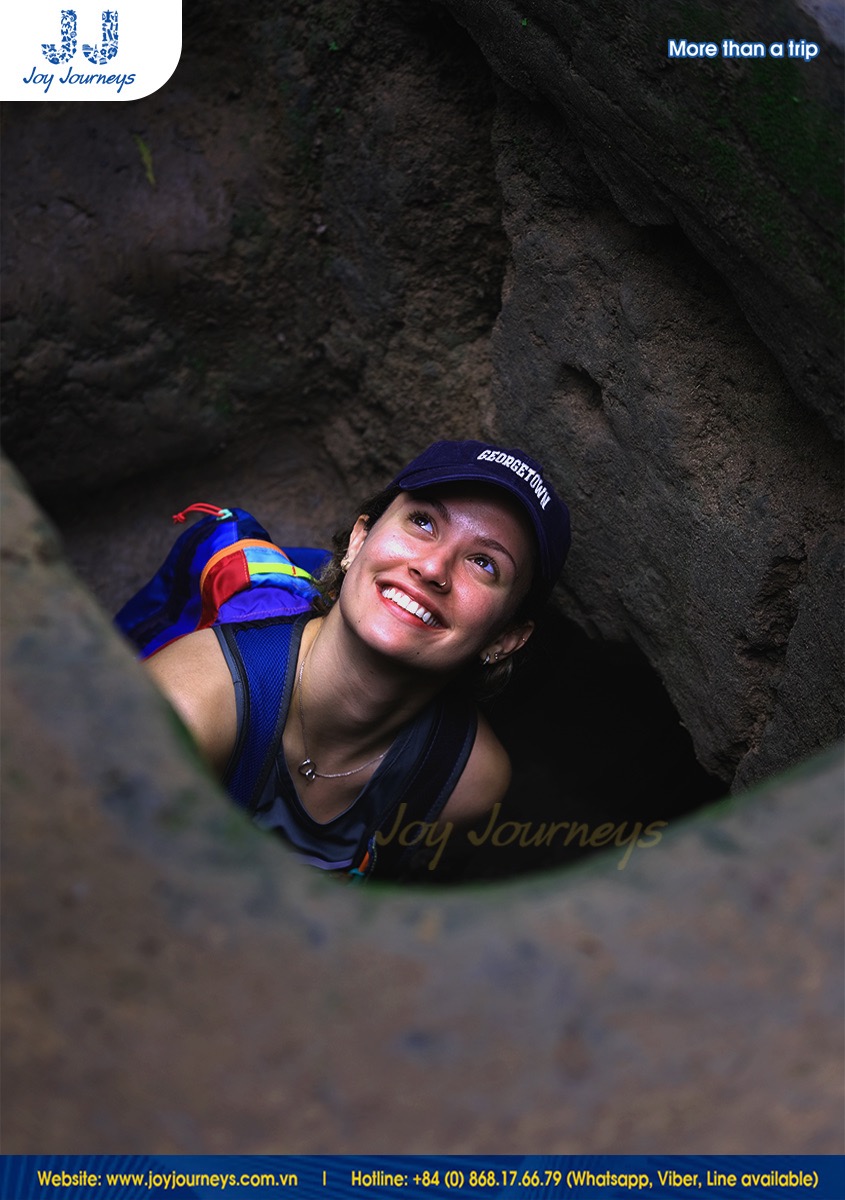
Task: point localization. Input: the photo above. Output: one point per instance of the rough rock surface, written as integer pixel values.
(305, 215)
(172, 984)
(744, 154)
(708, 504)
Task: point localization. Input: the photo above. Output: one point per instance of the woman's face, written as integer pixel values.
(438, 579)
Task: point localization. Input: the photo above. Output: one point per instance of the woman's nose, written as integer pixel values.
(433, 569)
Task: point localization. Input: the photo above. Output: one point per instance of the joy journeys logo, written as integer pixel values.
(133, 50)
(99, 55)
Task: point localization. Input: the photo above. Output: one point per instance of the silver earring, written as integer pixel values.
(345, 564)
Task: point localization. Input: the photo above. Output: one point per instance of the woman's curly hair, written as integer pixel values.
(484, 681)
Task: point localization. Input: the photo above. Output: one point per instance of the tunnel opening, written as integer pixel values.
(601, 762)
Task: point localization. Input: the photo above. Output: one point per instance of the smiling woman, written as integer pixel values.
(352, 731)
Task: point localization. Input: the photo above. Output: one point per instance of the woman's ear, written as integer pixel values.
(357, 538)
(509, 641)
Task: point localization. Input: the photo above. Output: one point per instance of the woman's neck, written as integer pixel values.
(353, 699)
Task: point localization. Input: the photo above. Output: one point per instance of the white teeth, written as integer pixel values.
(411, 606)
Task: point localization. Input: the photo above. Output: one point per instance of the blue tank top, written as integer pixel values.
(332, 845)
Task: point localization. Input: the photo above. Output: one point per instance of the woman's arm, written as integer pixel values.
(484, 779)
(194, 676)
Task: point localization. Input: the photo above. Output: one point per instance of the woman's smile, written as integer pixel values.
(407, 605)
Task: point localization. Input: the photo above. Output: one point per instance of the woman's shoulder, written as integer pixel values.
(484, 779)
(194, 652)
(193, 674)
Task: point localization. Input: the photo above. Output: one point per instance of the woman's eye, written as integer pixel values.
(423, 520)
(486, 564)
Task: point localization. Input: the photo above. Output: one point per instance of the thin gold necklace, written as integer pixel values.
(308, 767)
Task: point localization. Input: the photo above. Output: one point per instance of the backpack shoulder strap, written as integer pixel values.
(264, 655)
(429, 786)
(262, 652)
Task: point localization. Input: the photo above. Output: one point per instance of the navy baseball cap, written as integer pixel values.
(479, 462)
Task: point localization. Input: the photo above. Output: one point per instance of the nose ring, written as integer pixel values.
(438, 585)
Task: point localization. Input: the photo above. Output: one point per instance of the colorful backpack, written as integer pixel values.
(224, 569)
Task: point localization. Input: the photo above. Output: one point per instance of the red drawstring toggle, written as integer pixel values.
(211, 509)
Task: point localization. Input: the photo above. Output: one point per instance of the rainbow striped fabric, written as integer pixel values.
(223, 569)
